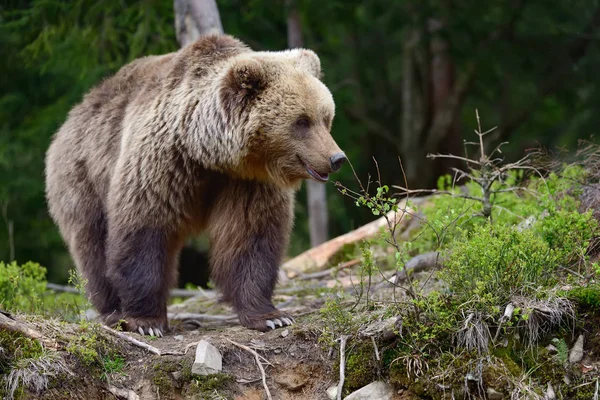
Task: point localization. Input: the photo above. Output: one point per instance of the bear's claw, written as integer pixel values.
(282, 321)
(151, 332)
(266, 322)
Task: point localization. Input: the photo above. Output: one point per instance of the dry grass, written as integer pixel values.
(34, 374)
(474, 334)
(544, 316)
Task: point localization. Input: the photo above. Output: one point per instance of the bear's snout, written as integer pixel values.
(337, 160)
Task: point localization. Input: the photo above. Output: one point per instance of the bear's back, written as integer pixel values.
(88, 143)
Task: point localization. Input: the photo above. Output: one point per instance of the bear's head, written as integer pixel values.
(285, 112)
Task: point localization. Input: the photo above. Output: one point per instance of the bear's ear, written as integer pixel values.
(307, 61)
(244, 80)
(246, 76)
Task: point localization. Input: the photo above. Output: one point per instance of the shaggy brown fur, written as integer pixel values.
(214, 137)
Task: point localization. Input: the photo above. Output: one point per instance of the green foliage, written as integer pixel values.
(112, 364)
(21, 286)
(15, 347)
(499, 260)
(588, 297)
(91, 347)
(361, 366)
(563, 350)
(338, 320)
(23, 289)
(208, 387)
(428, 323)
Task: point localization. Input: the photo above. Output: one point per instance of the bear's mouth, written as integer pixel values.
(313, 173)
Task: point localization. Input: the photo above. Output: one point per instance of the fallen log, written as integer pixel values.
(9, 323)
(318, 257)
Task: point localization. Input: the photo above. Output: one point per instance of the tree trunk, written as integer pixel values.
(443, 82)
(194, 18)
(317, 197)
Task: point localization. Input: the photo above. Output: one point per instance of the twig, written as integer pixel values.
(138, 343)
(260, 367)
(10, 324)
(343, 340)
(375, 347)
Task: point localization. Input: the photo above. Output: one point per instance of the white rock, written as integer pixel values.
(208, 359)
(91, 314)
(285, 333)
(178, 337)
(576, 353)
(494, 394)
(550, 395)
(377, 390)
(552, 349)
(332, 392)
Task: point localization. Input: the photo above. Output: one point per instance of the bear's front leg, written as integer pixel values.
(138, 266)
(249, 232)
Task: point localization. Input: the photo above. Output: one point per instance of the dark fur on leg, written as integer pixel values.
(139, 269)
(249, 236)
(88, 249)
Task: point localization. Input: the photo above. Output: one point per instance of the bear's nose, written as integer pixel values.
(337, 160)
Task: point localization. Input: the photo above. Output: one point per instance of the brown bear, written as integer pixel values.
(214, 137)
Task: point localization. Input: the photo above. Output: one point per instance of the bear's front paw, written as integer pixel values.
(143, 325)
(266, 322)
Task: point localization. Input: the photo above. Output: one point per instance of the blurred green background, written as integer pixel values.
(406, 76)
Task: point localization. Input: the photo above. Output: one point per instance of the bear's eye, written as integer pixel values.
(302, 122)
(302, 127)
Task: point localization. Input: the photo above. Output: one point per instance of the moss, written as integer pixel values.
(588, 298)
(161, 375)
(507, 357)
(16, 347)
(204, 387)
(361, 366)
(91, 348)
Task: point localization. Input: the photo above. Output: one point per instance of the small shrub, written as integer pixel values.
(499, 260)
(21, 286)
(338, 320)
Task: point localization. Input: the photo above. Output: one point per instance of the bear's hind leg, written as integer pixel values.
(141, 267)
(87, 246)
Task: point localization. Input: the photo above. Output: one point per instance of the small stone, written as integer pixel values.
(550, 395)
(576, 353)
(208, 359)
(178, 337)
(91, 314)
(285, 333)
(332, 393)
(291, 381)
(377, 390)
(277, 351)
(552, 349)
(176, 375)
(494, 395)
